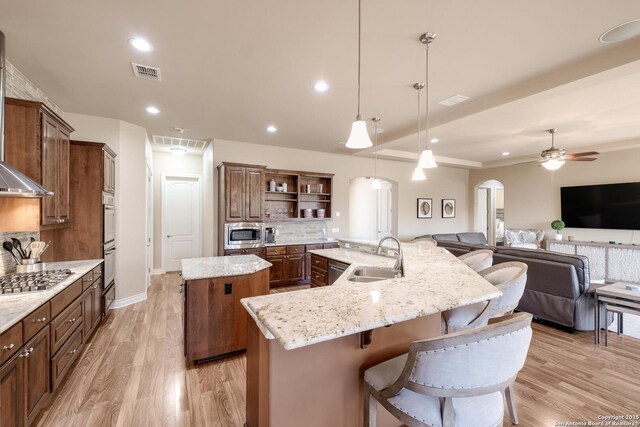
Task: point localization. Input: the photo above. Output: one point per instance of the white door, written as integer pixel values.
(385, 212)
(180, 220)
(149, 190)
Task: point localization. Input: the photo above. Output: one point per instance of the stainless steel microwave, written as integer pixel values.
(243, 235)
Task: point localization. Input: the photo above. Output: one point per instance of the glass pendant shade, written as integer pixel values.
(553, 164)
(418, 174)
(359, 138)
(426, 160)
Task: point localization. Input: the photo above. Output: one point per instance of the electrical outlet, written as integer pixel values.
(277, 232)
(228, 288)
(335, 230)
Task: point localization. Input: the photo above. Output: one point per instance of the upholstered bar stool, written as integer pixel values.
(453, 380)
(478, 260)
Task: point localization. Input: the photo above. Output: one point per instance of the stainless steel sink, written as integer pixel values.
(372, 274)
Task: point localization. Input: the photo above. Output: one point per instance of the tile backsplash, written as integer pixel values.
(297, 231)
(19, 86)
(7, 263)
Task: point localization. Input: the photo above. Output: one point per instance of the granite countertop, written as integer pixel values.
(222, 266)
(14, 307)
(310, 241)
(435, 281)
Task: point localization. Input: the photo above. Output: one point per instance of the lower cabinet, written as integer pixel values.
(287, 264)
(91, 308)
(25, 383)
(252, 251)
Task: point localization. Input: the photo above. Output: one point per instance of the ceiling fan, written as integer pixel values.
(553, 158)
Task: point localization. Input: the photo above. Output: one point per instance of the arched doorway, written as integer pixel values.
(489, 211)
(372, 212)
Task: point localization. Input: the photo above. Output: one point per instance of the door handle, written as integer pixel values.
(169, 236)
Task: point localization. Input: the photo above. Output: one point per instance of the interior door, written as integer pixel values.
(181, 220)
(385, 212)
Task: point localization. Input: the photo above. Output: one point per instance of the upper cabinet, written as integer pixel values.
(109, 170)
(240, 189)
(37, 144)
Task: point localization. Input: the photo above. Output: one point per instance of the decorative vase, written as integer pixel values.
(558, 236)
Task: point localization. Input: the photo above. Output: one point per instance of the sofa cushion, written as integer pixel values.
(474, 238)
(448, 237)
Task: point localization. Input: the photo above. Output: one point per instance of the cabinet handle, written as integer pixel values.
(8, 346)
(95, 286)
(41, 320)
(73, 351)
(72, 320)
(26, 353)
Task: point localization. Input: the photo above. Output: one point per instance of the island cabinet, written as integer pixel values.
(215, 323)
(37, 144)
(240, 192)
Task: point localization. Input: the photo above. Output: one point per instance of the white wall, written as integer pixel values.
(532, 193)
(167, 163)
(128, 141)
(442, 182)
(363, 209)
(208, 226)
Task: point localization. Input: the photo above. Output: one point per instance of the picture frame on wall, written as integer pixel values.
(448, 208)
(425, 208)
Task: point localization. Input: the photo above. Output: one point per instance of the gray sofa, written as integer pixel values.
(558, 288)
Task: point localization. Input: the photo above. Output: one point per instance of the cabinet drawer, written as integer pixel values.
(295, 250)
(66, 297)
(87, 280)
(276, 250)
(313, 247)
(61, 362)
(35, 322)
(64, 325)
(97, 272)
(331, 245)
(319, 277)
(10, 342)
(318, 262)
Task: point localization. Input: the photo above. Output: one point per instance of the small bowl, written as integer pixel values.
(280, 189)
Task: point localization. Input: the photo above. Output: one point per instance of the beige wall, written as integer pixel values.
(442, 183)
(128, 141)
(532, 193)
(167, 163)
(208, 226)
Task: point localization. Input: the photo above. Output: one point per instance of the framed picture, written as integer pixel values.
(448, 208)
(425, 208)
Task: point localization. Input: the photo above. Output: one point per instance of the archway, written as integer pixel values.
(489, 211)
(372, 212)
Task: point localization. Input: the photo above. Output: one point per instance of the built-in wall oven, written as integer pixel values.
(109, 241)
(243, 235)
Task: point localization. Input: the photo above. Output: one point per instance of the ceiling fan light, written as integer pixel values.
(359, 138)
(418, 174)
(426, 160)
(553, 164)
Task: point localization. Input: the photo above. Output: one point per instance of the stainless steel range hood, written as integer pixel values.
(12, 182)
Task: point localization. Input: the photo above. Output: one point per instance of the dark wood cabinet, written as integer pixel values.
(92, 308)
(215, 322)
(319, 271)
(259, 252)
(11, 392)
(288, 264)
(37, 144)
(253, 208)
(241, 192)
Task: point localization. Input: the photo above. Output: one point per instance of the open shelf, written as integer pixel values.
(293, 203)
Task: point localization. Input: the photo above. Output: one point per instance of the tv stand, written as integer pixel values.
(611, 262)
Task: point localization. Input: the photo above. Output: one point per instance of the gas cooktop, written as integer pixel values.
(29, 282)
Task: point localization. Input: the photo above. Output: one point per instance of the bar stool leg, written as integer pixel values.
(606, 327)
(621, 322)
(596, 329)
(619, 325)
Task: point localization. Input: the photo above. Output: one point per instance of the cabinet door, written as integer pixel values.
(62, 195)
(11, 393)
(277, 272)
(50, 158)
(259, 252)
(294, 267)
(87, 312)
(112, 165)
(36, 374)
(106, 172)
(254, 179)
(97, 304)
(234, 194)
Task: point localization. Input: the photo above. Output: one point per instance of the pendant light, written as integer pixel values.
(359, 138)
(418, 173)
(426, 157)
(377, 183)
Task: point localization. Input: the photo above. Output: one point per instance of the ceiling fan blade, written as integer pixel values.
(582, 159)
(585, 154)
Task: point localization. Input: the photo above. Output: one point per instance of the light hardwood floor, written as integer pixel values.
(133, 373)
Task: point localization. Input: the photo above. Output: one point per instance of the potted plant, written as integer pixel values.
(558, 225)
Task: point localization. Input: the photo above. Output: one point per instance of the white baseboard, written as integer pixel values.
(157, 271)
(119, 303)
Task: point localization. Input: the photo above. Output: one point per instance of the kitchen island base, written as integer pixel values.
(321, 384)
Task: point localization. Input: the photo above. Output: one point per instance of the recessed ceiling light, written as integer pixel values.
(506, 153)
(434, 140)
(271, 129)
(178, 151)
(622, 32)
(321, 86)
(152, 110)
(141, 44)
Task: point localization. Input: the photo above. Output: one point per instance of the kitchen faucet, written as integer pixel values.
(399, 267)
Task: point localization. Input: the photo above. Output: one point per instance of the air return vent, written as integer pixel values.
(146, 72)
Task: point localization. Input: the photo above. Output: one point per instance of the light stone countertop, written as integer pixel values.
(222, 266)
(14, 307)
(302, 242)
(435, 281)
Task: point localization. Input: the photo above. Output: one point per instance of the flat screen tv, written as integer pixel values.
(610, 206)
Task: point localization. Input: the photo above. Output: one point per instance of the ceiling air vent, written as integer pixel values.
(453, 100)
(146, 72)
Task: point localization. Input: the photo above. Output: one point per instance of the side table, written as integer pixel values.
(615, 298)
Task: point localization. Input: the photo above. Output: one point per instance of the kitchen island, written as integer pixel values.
(304, 355)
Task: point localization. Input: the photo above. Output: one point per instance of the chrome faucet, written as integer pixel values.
(399, 267)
